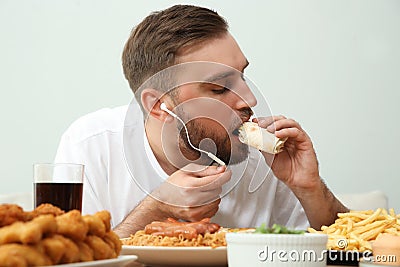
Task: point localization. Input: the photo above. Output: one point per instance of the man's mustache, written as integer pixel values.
(245, 114)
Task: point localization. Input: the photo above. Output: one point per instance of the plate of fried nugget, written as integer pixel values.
(49, 236)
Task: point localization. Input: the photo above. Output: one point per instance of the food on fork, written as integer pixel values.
(253, 135)
(355, 230)
(49, 236)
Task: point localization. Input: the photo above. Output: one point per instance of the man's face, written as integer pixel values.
(215, 108)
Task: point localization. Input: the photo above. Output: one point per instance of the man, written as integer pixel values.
(146, 166)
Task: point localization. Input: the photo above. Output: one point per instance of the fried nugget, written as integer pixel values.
(11, 213)
(60, 249)
(85, 252)
(71, 251)
(105, 216)
(46, 208)
(15, 255)
(72, 225)
(113, 241)
(96, 225)
(53, 247)
(28, 232)
(100, 248)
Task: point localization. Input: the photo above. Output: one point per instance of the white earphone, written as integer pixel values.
(164, 107)
(209, 154)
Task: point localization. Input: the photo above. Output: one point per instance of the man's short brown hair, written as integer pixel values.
(156, 42)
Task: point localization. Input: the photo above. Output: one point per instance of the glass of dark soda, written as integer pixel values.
(60, 184)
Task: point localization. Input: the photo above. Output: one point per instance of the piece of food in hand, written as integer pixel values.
(276, 229)
(253, 135)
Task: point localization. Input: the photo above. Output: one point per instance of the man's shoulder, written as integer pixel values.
(105, 120)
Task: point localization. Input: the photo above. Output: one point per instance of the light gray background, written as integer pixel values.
(332, 65)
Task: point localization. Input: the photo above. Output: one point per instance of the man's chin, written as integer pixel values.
(238, 155)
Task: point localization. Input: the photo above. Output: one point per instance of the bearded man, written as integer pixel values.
(146, 162)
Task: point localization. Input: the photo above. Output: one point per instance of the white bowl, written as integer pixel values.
(253, 249)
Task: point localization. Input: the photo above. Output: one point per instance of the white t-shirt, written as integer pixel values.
(120, 169)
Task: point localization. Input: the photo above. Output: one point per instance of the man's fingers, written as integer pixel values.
(285, 123)
(201, 171)
(200, 212)
(213, 181)
(264, 122)
(293, 133)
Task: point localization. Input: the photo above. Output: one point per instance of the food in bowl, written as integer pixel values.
(292, 248)
(277, 229)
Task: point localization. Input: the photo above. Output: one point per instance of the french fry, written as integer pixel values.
(369, 219)
(391, 212)
(355, 229)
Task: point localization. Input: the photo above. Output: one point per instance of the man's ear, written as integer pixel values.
(151, 101)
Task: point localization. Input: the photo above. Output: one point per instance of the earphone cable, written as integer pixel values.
(209, 154)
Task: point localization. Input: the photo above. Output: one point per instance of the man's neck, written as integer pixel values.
(152, 131)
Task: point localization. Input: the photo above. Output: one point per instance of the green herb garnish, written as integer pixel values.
(276, 229)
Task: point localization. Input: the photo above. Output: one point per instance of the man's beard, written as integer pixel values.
(219, 142)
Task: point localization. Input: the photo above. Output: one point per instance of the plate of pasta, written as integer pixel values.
(179, 244)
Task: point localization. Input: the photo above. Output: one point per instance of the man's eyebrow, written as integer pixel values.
(223, 75)
(219, 76)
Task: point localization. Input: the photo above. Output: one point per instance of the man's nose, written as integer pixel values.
(245, 97)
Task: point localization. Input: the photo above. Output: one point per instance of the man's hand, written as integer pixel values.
(297, 164)
(190, 194)
(193, 193)
(297, 167)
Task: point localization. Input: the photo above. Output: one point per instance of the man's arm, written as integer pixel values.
(297, 167)
(183, 196)
(143, 214)
(320, 205)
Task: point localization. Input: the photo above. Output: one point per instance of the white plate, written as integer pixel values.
(178, 256)
(117, 262)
